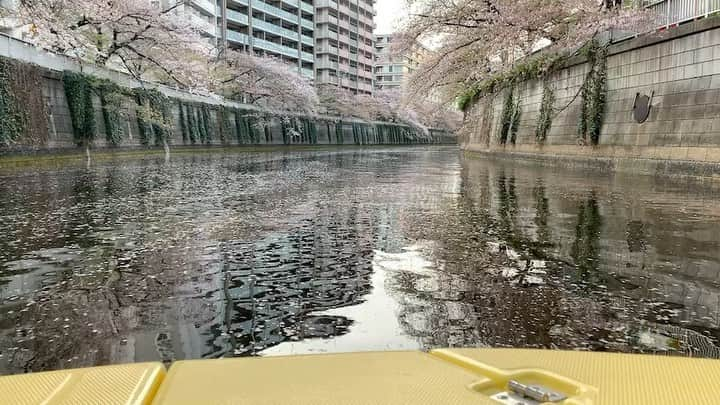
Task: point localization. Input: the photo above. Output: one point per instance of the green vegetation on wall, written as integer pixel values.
(246, 128)
(153, 116)
(339, 132)
(193, 125)
(594, 93)
(515, 123)
(310, 132)
(387, 133)
(546, 111)
(184, 130)
(202, 126)
(530, 69)
(207, 132)
(79, 92)
(19, 101)
(13, 119)
(224, 127)
(111, 97)
(90, 99)
(510, 118)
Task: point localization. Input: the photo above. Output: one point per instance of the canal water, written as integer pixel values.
(241, 254)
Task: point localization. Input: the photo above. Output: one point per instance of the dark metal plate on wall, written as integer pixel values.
(641, 107)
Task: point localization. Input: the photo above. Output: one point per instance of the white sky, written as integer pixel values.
(389, 13)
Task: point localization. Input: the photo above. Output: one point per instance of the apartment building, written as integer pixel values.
(344, 44)
(390, 70)
(281, 29)
(328, 40)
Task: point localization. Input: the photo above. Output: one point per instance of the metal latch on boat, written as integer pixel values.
(519, 393)
(535, 392)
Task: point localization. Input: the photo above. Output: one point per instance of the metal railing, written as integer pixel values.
(679, 11)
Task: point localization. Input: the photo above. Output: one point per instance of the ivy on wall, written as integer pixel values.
(153, 116)
(193, 125)
(339, 132)
(111, 97)
(510, 118)
(19, 101)
(184, 131)
(224, 127)
(90, 99)
(530, 69)
(268, 133)
(546, 112)
(594, 93)
(515, 123)
(208, 132)
(13, 119)
(246, 128)
(79, 93)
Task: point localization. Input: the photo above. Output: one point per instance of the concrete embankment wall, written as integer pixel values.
(60, 132)
(680, 70)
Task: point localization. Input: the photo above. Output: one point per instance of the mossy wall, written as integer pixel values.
(679, 70)
(70, 109)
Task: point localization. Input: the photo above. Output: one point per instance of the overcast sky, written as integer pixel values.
(389, 12)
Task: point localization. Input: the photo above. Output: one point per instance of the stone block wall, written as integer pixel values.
(60, 127)
(679, 68)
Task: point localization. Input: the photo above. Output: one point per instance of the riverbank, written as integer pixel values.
(53, 103)
(105, 154)
(659, 104)
(675, 167)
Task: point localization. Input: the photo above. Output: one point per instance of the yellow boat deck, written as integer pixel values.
(456, 376)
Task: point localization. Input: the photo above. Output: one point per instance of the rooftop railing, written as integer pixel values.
(679, 11)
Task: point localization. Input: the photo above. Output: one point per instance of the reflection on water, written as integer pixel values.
(281, 253)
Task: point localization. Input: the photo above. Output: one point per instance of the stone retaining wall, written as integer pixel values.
(679, 67)
(60, 127)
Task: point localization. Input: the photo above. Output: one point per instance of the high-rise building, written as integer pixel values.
(328, 40)
(391, 70)
(343, 44)
(281, 29)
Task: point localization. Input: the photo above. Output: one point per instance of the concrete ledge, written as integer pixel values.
(673, 163)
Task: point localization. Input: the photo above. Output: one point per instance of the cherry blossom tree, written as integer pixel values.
(476, 38)
(389, 106)
(265, 82)
(149, 40)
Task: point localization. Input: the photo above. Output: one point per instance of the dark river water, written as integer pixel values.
(238, 254)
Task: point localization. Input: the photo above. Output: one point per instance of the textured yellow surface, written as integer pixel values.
(457, 376)
(360, 378)
(619, 378)
(121, 384)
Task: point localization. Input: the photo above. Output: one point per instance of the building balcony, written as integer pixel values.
(326, 4)
(274, 29)
(237, 37)
(327, 79)
(205, 6)
(277, 12)
(301, 5)
(274, 47)
(327, 49)
(308, 73)
(325, 19)
(326, 64)
(365, 87)
(237, 17)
